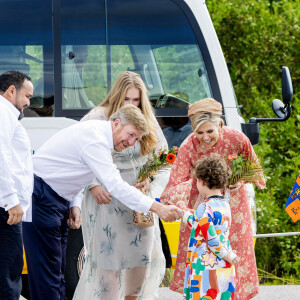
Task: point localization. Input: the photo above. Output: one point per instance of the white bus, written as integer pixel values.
(74, 50)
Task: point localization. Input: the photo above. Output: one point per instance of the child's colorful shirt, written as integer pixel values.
(207, 273)
(210, 230)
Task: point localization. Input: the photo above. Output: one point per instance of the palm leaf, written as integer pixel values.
(245, 169)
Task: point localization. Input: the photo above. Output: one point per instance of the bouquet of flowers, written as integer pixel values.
(160, 160)
(244, 169)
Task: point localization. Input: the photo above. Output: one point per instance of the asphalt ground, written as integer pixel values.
(273, 292)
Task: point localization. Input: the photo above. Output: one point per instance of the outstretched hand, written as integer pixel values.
(167, 213)
(182, 205)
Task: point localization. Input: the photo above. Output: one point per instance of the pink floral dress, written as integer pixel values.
(182, 187)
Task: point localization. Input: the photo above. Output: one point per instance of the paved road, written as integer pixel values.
(274, 292)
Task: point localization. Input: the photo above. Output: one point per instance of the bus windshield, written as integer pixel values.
(98, 40)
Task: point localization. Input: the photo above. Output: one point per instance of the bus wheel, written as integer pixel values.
(74, 261)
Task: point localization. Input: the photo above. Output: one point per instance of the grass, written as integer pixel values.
(266, 278)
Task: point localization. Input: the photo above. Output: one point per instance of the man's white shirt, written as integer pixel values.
(72, 159)
(16, 172)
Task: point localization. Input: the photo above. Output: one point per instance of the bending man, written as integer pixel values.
(63, 166)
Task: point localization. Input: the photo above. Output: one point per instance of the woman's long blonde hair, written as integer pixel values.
(115, 100)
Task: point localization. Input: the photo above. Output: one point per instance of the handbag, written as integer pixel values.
(142, 220)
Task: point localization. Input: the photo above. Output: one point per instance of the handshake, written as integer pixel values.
(167, 213)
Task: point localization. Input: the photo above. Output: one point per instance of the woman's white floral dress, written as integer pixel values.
(111, 240)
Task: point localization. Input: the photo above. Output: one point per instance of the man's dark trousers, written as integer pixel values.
(45, 242)
(11, 258)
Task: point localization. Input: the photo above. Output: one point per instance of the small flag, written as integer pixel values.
(292, 205)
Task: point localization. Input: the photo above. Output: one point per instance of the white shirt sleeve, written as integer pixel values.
(77, 200)
(99, 159)
(8, 192)
(186, 216)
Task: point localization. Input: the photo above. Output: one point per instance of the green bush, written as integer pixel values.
(258, 38)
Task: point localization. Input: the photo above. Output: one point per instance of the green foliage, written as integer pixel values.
(244, 169)
(258, 38)
(160, 160)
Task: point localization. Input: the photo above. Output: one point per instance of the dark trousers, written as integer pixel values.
(11, 258)
(45, 241)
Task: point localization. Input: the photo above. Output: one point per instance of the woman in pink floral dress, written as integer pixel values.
(210, 136)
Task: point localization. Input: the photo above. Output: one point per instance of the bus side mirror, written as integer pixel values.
(287, 87)
(281, 110)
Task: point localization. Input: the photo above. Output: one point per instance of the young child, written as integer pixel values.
(209, 272)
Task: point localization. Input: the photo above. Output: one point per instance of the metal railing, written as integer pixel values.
(275, 234)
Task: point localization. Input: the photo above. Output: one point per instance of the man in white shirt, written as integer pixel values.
(63, 166)
(16, 179)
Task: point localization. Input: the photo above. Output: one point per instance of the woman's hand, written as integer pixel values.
(101, 195)
(144, 185)
(235, 187)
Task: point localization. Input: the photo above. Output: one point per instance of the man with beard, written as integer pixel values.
(16, 179)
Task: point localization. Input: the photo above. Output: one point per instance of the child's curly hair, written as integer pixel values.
(213, 170)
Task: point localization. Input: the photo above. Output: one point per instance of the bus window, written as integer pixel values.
(151, 37)
(74, 59)
(189, 82)
(165, 52)
(121, 60)
(84, 71)
(163, 46)
(26, 46)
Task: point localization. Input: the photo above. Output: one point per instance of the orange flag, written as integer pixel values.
(292, 205)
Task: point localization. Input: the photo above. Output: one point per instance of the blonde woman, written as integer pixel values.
(122, 261)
